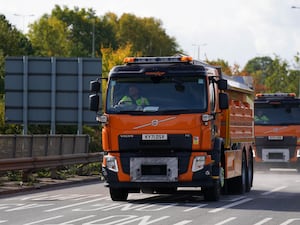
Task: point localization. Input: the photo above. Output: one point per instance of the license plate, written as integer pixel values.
(272, 138)
(154, 137)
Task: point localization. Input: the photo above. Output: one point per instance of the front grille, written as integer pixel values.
(154, 169)
(273, 155)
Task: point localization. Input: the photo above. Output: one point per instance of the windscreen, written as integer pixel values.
(277, 114)
(156, 95)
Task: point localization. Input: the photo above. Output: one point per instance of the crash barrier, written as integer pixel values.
(29, 152)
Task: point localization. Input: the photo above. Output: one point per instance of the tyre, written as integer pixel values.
(212, 193)
(242, 180)
(117, 194)
(250, 172)
(238, 185)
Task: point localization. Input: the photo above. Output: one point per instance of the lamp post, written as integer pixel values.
(23, 19)
(298, 69)
(93, 41)
(198, 49)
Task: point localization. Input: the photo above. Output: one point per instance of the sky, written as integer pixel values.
(233, 30)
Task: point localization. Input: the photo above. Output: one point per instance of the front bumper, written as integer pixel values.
(202, 178)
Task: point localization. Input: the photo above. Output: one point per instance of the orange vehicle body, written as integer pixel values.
(277, 130)
(170, 143)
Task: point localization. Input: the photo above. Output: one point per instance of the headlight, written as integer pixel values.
(298, 153)
(111, 163)
(198, 163)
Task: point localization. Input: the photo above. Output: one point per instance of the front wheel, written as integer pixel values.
(118, 194)
(212, 193)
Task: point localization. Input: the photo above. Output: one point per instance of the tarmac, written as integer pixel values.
(11, 187)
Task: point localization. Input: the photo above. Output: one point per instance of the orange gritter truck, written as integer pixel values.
(172, 122)
(277, 130)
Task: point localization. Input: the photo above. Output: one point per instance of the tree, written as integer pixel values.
(112, 57)
(258, 68)
(146, 36)
(12, 43)
(277, 79)
(50, 37)
(272, 75)
(86, 30)
(223, 64)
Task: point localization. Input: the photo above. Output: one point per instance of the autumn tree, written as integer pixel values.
(226, 69)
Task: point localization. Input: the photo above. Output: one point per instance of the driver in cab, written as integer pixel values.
(134, 98)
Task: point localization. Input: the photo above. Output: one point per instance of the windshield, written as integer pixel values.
(282, 114)
(156, 95)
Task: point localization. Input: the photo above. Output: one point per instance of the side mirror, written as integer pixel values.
(94, 102)
(222, 84)
(95, 86)
(223, 101)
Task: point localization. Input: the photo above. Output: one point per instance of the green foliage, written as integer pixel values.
(78, 32)
(50, 37)
(277, 79)
(223, 64)
(12, 43)
(81, 33)
(273, 75)
(146, 35)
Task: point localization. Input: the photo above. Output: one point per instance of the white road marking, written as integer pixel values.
(184, 222)
(194, 207)
(290, 221)
(230, 205)
(44, 220)
(76, 204)
(263, 221)
(274, 190)
(75, 220)
(226, 221)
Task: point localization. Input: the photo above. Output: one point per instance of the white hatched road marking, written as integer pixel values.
(290, 221)
(184, 222)
(44, 220)
(274, 190)
(230, 205)
(263, 221)
(76, 204)
(226, 221)
(75, 220)
(194, 207)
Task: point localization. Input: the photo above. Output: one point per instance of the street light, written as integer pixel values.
(23, 19)
(198, 47)
(297, 69)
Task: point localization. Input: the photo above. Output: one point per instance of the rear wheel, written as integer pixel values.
(242, 180)
(118, 194)
(249, 173)
(238, 185)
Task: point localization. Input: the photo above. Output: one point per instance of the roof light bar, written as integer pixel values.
(259, 95)
(166, 59)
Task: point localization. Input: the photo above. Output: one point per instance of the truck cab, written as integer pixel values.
(170, 134)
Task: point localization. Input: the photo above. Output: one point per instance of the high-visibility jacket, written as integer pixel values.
(261, 119)
(140, 101)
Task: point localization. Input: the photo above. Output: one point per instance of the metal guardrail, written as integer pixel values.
(27, 152)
